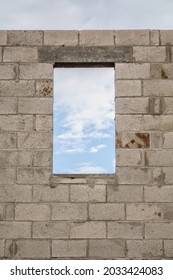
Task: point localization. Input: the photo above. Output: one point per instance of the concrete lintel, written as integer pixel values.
(78, 54)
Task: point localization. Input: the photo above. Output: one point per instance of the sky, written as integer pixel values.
(84, 127)
(86, 14)
(84, 154)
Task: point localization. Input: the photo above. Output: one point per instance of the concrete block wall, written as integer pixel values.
(126, 215)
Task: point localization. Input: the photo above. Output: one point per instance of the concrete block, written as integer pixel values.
(125, 230)
(8, 105)
(36, 71)
(167, 123)
(124, 193)
(69, 211)
(149, 54)
(86, 230)
(133, 106)
(7, 71)
(3, 37)
(158, 194)
(15, 230)
(168, 140)
(133, 175)
(96, 38)
(129, 123)
(15, 193)
(159, 230)
(107, 211)
(9, 212)
(46, 194)
(44, 123)
(1, 246)
(144, 211)
(44, 88)
(156, 106)
(131, 140)
(158, 158)
(156, 140)
(155, 37)
(157, 123)
(17, 88)
(25, 158)
(125, 157)
(166, 37)
(37, 175)
(61, 37)
(42, 158)
(24, 212)
(106, 249)
(169, 51)
(131, 37)
(158, 88)
(36, 140)
(25, 38)
(167, 211)
(7, 176)
(69, 248)
(132, 71)
(167, 175)
(51, 230)
(16, 123)
(168, 248)
(105, 179)
(161, 71)
(20, 54)
(158, 177)
(152, 123)
(2, 212)
(144, 249)
(27, 249)
(86, 193)
(128, 88)
(8, 158)
(35, 106)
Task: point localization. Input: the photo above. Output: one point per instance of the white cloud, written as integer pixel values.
(69, 145)
(72, 136)
(85, 99)
(97, 148)
(87, 168)
(69, 150)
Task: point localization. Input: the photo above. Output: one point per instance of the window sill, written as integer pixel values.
(90, 179)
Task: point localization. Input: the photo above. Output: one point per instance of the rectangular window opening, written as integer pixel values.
(84, 120)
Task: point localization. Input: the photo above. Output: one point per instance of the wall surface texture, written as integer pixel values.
(127, 215)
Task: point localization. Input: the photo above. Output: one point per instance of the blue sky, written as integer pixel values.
(84, 14)
(84, 127)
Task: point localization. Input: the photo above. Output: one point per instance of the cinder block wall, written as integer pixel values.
(127, 215)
